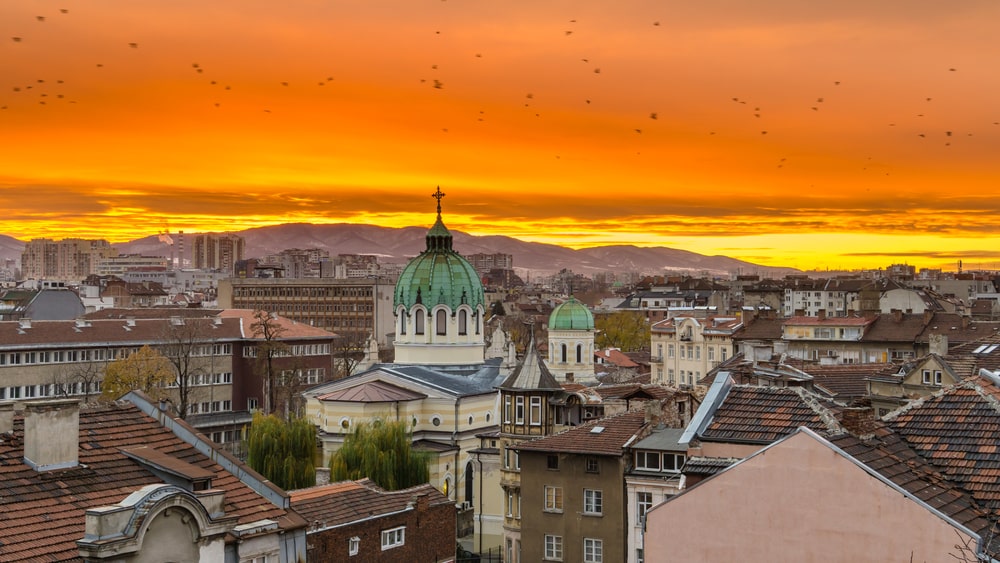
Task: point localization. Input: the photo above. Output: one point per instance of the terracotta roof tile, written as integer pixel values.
(349, 501)
(763, 415)
(606, 436)
(43, 512)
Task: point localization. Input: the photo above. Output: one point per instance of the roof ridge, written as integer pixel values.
(812, 401)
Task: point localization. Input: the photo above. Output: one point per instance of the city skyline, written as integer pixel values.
(784, 134)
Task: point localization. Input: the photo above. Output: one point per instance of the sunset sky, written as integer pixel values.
(807, 134)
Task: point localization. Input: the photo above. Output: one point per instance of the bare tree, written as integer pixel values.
(85, 375)
(183, 339)
(267, 328)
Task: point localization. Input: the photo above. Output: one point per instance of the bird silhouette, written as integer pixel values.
(652, 115)
(16, 39)
(40, 18)
(597, 71)
(64, 10)
(134, 45)
(438, 84)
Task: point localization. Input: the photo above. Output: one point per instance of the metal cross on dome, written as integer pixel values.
(438, 195)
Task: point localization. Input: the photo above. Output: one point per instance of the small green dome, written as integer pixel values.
(439, 275)
(571, 315)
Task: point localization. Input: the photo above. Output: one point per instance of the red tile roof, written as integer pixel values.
(762, 415)
(607, 436)
(350, 501)
(43, 512)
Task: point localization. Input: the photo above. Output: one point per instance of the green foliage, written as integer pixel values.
(145, 370)
(281, 451)
(381, 451)
(625, 330)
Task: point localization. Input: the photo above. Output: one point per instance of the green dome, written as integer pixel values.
(571, 315)
(439, 275)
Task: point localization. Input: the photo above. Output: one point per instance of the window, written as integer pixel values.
(535, 418)
(562, 353)
(647, 461)
(579, 353)
(553, 548)
(510, 503)
(553, 499)
(673, 462)
(593, 550)
(552, 461)
(643, 502)
(519, 410)
(418, 322)
(463, 322)
(393, 538)
(507, 409)
(592, 501)
(670, 350)
(353, 545)
(926, 376)
(592, 466)
(937, 377)
(441, 322)
(639, 556)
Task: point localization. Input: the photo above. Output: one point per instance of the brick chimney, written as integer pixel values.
(52, 434)
(821, 314)
(859, 421)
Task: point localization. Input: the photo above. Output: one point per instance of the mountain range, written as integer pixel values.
(399, 244)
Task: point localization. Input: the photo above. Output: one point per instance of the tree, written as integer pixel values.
(267, 328)
(182, 339)
(283, 451)
(381, 450)
(76, 378)
(143, 370)
(626, 330)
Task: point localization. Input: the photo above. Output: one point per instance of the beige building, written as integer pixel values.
(64, 260)
(440, 383)
(685, 348)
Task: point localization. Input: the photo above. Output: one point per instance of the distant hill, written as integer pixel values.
(401, 244)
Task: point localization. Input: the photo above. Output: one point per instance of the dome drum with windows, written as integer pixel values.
(439, 304)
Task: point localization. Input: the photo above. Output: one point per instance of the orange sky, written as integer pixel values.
(787, 133)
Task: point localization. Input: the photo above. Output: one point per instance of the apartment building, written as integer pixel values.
(64, 260)
(686, 347)
(217, 252)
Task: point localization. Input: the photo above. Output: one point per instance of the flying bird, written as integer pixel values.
(438, 84)
(16, 39)
(652, 115)
(40, 18)
(64, 10)
(597, 71)
(134, 45)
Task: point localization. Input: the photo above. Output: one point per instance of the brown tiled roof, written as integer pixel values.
(700, 465)
(350, 501)
(152, 313)
(847, 381)
(615, 432)
(118, 331)
(958, 429)
(895, 328)
(289, 328)
(761, 329)
(43, 512)
(893, 458)
(616, 357)
(828, 321)
(762, 415)
(957, 328)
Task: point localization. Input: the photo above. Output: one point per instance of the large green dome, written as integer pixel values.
(439, 275)
(571, 315)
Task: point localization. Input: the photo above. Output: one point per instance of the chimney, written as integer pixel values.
(965, 322)
(24, 323)
(129, 321)
(653, 411)
(52, 434)
(928, 315)
(897, 315)
(821, 314)
(6, 417)
(938, 344)
(859, 421)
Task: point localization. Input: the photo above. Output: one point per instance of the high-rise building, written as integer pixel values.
(64, 260)
(217, 252)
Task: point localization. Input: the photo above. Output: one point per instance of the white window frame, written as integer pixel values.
(353, 545)
(593, 502)
(535, 411)
(593, 550)
(553, 548)
(555, 503)
(393, 537)
(643, 502)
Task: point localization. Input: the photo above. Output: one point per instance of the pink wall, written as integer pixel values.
(798, 501)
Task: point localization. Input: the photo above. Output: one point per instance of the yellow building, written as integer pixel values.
(439, 382)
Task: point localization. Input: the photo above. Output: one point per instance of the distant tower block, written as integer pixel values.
(180, 249)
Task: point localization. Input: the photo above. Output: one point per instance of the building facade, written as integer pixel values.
(65, 260)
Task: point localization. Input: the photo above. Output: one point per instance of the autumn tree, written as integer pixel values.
(625, 330)
(382, 451)
(269, 331)
(143, 370)
(282, 450)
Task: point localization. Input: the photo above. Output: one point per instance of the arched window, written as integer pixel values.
(579, 353)
(475, 319)
(463, 322)
(402, 323)
(418, 322)
(562, 353)
(441, 322)
(469, 478)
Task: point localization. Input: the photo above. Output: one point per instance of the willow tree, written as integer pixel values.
(282, 450)
(381, 450)
(145, 370)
